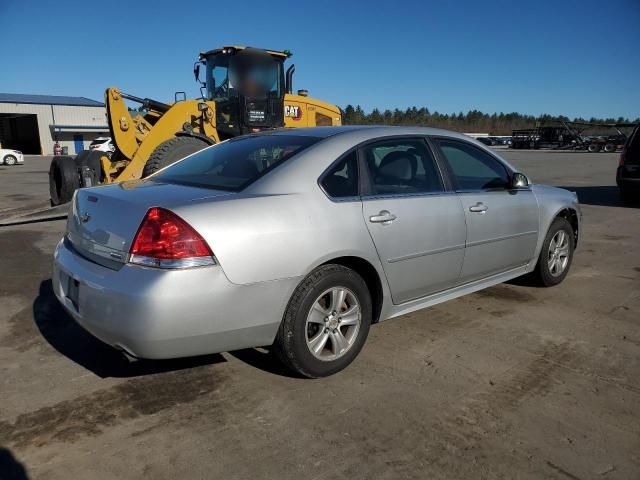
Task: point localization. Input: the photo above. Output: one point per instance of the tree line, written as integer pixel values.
(474, 121)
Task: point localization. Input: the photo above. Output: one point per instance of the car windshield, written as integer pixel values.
(236, 163)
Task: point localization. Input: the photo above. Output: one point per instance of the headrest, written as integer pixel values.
(398, 165)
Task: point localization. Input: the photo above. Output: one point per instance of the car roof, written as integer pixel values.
(333, 143)
(372, 131)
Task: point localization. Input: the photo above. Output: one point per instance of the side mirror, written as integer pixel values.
(519, 180)
(196, 72)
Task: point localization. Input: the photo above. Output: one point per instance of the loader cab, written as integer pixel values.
(248, 88)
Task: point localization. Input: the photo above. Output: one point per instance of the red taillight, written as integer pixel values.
(621, 162)
(165, 240)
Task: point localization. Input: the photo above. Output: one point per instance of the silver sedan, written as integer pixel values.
(301, 239)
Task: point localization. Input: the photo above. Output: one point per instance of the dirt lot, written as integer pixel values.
(511, 382)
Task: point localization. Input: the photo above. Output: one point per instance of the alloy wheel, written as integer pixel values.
(333, 323)
(558, 254)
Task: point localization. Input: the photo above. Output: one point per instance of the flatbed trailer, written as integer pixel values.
(569, 136)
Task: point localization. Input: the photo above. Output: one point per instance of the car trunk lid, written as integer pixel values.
(103, 221)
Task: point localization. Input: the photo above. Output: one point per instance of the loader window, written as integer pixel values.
(235, 164)
(218, 78)
(322, 120)
(229, 76)
(220, 82)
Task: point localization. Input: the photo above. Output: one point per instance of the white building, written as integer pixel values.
(33, 123)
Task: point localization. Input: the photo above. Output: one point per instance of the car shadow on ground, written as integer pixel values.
(72, 341)
(605, 196)
(10, 468)
(265, 360)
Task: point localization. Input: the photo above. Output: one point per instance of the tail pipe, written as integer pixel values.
(289, 81)
(148, 103)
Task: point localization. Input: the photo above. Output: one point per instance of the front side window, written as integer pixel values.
(402, 166)
(342, 180)
(236, 163)
(472, 168)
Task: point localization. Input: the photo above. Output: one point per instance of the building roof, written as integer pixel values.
(48, 100)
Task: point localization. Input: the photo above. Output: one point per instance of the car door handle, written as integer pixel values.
(479, 208)
(384, 216)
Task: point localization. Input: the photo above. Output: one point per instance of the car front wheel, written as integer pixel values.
(556, 254)
(326, 322)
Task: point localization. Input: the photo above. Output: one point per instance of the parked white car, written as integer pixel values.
(11, 157)
(102, 144)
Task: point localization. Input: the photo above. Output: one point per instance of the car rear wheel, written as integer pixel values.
(556, 255)
(609, 147)
(10, 160)
(326, 322)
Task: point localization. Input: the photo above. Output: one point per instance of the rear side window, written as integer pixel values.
(342, 180)
(472, 168)
(404, 166)
(236, 163)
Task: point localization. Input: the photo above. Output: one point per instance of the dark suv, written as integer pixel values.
(628, 174)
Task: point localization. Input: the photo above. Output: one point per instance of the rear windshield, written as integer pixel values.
(236, 163)
(633, 143)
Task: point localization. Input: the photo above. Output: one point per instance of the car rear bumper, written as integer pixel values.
(155, 313)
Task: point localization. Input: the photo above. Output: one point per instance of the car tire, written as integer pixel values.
(609, 148)
(552, 268)
(64, 179)
(170, 152)
(310, 322)
(10, 160)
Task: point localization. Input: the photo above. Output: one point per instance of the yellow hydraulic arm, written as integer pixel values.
(136, 137)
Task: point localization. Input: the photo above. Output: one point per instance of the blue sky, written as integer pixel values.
(578, 58)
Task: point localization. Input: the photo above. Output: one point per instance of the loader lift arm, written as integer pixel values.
(137, 137)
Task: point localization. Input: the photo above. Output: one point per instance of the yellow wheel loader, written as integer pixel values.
(244, 90)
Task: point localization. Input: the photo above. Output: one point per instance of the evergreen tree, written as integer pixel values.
(473, 121)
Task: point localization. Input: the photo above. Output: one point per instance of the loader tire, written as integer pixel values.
(170, 152)
(93, 162)
(63, 179)
(81, 156)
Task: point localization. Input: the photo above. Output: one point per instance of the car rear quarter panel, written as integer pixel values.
(269, 237)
